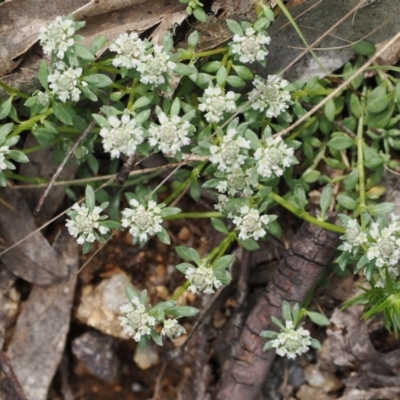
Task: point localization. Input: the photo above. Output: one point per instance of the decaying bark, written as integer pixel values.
(310, 252)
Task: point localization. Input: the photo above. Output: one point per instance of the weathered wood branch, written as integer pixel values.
(311, 251)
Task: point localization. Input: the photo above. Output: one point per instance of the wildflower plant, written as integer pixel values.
(293, 340)
(224, 130)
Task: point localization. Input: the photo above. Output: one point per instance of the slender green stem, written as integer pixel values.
(132, 91)
(360, 163)
(297, 29)
(30, 122)
(204, 53)
(307, 217)
(36, 181)
(180, 290)
(317, 159)
(222, 245)
(194, 174)
(302, 128)
(106, 69)
(13, 91)
(209, 214)
(224, 248)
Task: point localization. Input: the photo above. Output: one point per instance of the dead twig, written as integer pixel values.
(60, 168)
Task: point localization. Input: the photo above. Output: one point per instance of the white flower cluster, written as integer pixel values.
(172, 329)
(123, 136)
(202, 279)
(136, 320)
(134, 53)
(292, 342)
(386, 247)
(270, 95)
(250, 223)
(237, 182)
(4, 150)
(215, 102)
(170, 135)
(58, 36)
(64, 82)
(43, 98)
(250, 46)
(142, 221)
(84, 223)
(353, 237)
(231, 152)
(274, 157)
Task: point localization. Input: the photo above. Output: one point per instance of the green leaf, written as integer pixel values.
(175, 107)
(340, 142)
(219, 225)
(268, 346)
(347, 202)
(63, 113)
(249, 244)
(5, 108)
(18, 156)
(187, 253)
(142, 102)
(183, 267)
(199, 14)
(223, 263)
(165, 212)
(156, 337)
(261, 24)
(203, 80)
(329, 110)
(98, 80)
(235, 81)
(211, 66)
(83, 52)
(183, 311)
(277, 322)
(93, 163)
(101, 120)
(377, 105)
(318, 318)
(286, 311)
(90, 197)
(221, 75)
(381, 209)
(355, 105)
(116, 96)
(315, 344)
(193, 39)
(364, 48)
(311, 176)
(142, 117)
(300, 196)
(269, 334)
(88, 93)
(325, 199)
(195, 190)
(243, 72)
(4, 131)
(97, 43)
(164, 237)
(85, 248)
(167, 42)
(43, 74)
(3, 180)
(234, 27)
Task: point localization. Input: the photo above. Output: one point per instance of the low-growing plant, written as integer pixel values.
(226, 129)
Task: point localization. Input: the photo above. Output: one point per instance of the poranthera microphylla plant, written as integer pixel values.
(233, 137)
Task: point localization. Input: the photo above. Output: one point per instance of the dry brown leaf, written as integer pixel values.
(39, 338)
(34, 259)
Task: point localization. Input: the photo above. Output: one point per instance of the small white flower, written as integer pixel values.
(353, 236)
(154, 66)
(130, 49)
(123, 136)
(292, 342)
(270, 95)
(231, 152)
(136, 321)
(4, 150)
(250, 46)
(172, 329)
(202, 279)
(237, 182)
(57, 36)
(274, 157)
(215, 102)
(170, 135)
(386, 249)
(84, 222)
(142, 221)
(250, 223)
(64, 81)
(43, 98)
